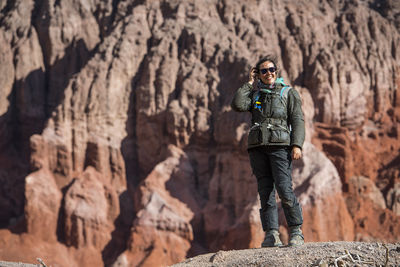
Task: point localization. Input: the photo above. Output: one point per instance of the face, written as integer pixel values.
(266, 75)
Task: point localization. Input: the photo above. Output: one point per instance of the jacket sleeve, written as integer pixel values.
(296, 119)
(242, 100)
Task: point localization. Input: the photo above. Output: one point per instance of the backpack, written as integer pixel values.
(283, 94)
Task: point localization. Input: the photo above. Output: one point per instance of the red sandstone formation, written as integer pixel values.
(119, 146)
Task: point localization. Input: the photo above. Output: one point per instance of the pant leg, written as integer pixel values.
(281, 168)
(260, 165)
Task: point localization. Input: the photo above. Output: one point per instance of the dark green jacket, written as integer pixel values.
(277, 117)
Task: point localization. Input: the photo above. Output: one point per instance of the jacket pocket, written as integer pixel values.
(255, 136)
(279, 136)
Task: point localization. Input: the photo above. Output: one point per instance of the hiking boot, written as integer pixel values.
(272, 239)
(296, 237)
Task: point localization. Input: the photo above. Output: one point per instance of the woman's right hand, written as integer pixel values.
(253, 75)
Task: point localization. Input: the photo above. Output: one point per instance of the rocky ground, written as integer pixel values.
(322, 254)
(16, 264)
(311, 254)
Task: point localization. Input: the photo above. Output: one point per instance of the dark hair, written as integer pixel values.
(269, 58)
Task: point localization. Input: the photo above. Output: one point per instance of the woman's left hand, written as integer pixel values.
(296, 152)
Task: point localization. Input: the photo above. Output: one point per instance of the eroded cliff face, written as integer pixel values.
(119, 146)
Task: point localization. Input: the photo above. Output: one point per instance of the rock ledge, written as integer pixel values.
(322, 254)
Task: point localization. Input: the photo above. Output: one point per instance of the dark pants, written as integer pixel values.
(272, 167)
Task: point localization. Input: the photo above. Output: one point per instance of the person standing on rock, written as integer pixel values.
(276, 137)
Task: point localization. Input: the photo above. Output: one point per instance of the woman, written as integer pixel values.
(275, 138)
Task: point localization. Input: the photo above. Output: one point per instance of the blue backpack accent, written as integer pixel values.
(284, 93)
(280, 80)
(286, 88)
(257, 104)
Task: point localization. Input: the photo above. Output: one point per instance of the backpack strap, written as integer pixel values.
(283, 95)
(285, 91)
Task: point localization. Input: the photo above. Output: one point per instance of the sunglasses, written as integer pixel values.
(271, 70)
